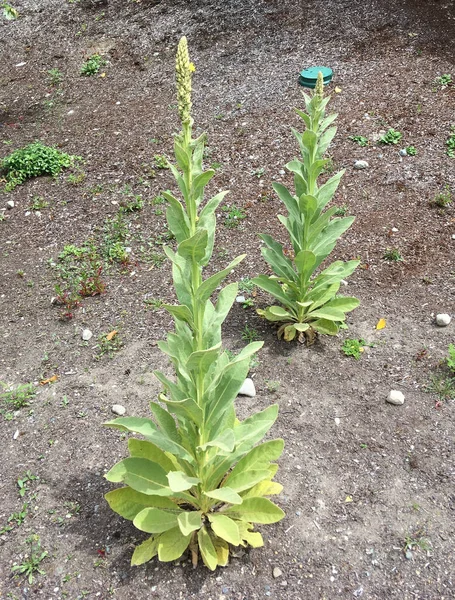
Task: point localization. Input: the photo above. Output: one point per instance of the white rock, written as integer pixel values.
(118, 409)
(337, 421)
(87, 335)
(10, 204)
(277, 572)
(395, 397)
(70, 112)
(394, 229)
(361, 164)
(16, 434)
(403, 152)
(240, 299)
(248, 388)
(453, 236)
(442, 320)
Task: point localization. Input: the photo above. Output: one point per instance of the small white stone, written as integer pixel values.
(394, 229)
(453, 236)
(282, 172)
(10, 204)
(118, 409)
(16, 434)
(337, 421)
(27, 213)
(70, 112)
(442, 320)
(128, 250)
(21, 64)
(403, 152)
(277, 572)
(395, 397)
(344, 282)
(361, 164)
(87, 335)
(240, 299)
(248, 388)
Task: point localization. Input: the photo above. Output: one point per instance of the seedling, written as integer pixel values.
(443, 80)
(352, 347)
(451, 358)
(23, 481)
(76, 178)
(15, 519)
(411, 150)
(443, 199)
(234, 215)
(391, 137)
(392, 254)
(248, 303)
(31, 563)
(246, 285)
(359, 139)
(158, 200)
(450, 143)
(154, 303)
(67, 298)
(109, 343)
(55, 77)
(272, 385)
(258, 172)
(38, 203)
(18, 397)
(92, 65)
(161, 162)
(9, 12)
(341, 211)
(249, 334)
(416, 541)
(133, 205)
(442, 386)
(32, 161)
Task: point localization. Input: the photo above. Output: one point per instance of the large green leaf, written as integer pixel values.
(201, 360)
(208, 286)
(177, 218)
(145, 551)
(180, 481)
(263, 488)
(172, 544)
(252, 538)
(256, 510)
(128, 503)
(142, 475)
(144, 449)
(189, 521)
(330, 314)
(193, 248)
(154, 520)
(140, 425)
(208, 552)
(224, 494)
(273, 287)
(165, 422)
(225, 441)
(243, 480)
(225, 528)
(257, 458)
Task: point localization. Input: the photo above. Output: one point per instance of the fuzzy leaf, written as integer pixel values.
(193, 248)
(225, 494)
(256, 510)
(180, 481)
(172, 544)
(208, 286)
(143, 449)
(145, 551)
(189, 522)
(154, 520)
(263, 488)
(208, 552)
(225, 528)
(128, 503)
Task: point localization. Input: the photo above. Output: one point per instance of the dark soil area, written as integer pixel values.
(368, 487)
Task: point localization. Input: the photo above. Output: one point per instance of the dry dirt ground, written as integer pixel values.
(364, 481)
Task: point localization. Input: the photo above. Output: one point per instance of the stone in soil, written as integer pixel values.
(87, 335)
(277, 572)
(118, 409)
(395, 397)
(361, 164)
(248, 388)
(442, 320)
(10, 204)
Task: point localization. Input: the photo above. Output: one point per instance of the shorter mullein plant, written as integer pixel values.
(198, 481)
(309, 300)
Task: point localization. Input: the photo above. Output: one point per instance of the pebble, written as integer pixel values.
(118, 409)
(282, 172)
(248, 388)
(394, 229)
(70, 112)
(337, 421)
(453, 236)
(16, 434)
(10, 204)
(395, 397)
(87, 335)
(361, 164)
(277, 572)
(442, 320)
(408, 554)
(240, 299)
(403, 152)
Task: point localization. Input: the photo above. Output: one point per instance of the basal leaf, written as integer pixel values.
(154, 520)
(145, 551)
(225, 528)
(180, 481)
(208, 551)
(189, 521)
(263, 488)
(256, 510)
(128, 503)
(172, 544)
(142, 475)
(257, 458)
(224, 494)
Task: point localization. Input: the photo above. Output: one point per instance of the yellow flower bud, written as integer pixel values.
(183, 70)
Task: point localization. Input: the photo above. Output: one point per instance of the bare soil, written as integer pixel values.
(359, 490)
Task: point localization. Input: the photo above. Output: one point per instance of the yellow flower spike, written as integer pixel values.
(192, 68)
(183, 70)
(319, 89)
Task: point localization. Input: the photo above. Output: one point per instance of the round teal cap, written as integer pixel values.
(308, 77)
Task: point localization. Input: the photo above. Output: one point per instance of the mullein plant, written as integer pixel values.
(308, 297)
(198, 481)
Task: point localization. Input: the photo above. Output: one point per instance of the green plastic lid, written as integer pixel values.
(308, 77)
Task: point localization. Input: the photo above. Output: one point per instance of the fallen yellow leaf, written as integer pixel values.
(103, 75)
(111, 335)
(52, 379)
(337, 90)
(348, 499)
(381, 324)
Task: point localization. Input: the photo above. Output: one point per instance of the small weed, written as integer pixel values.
(352, 347)
(92, 65)
(67, 298)
(341, 211)
(38, 203)
(246, 285)
(248, 303)
(443, 80)
(64, 403)
(134, 205)
(359, 139)
(2, 217)
(76, 178)
(22, 482)
(154, 303)
(15, 519)
(329, 165)
(161, 161)
(416, 541)
(392, 254)
(272, 385)
(258, 172)
(32, 161)
(249, 334)
(411, 150)
(451, 358)
(234, 215)
(31, 563)
(216, 166)
(443, 198)
(157, 200)
(9, 12)
(18, 397)
(442, 386)
(391, 137)
(450, 143)
(109, 343)
(55, 77)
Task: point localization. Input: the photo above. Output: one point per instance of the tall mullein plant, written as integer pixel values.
(308, 300)
(197, 481)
